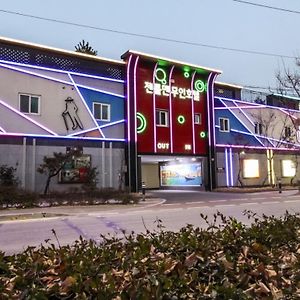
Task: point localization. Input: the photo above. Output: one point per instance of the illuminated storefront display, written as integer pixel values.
(181, 175)
(288, 168)
(250, 168)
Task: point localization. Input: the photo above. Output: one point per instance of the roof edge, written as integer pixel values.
(181, 63)
(59, 50)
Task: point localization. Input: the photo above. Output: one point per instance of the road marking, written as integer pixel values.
(261, 198)
(269, 202)
(242, 199)
(196, 202)
(156, 204)
(170, 204)
(224, 205)
(217, 201)
(291, 201)
(249, 203)
(276, 197)
(294, 196)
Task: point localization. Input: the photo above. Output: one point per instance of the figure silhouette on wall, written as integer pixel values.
(70, 115)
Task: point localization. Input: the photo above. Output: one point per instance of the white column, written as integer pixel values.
(33, 173)
(23, 164)
(103, 165)
(110, 165)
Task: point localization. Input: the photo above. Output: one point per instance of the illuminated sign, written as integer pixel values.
(181, 119)
(142, 123)
(251, 168)
(181, 175)
(288, 168)
(163, 146)
(163, 89)
(188, 147)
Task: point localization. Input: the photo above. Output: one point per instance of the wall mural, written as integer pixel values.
(181, 175)
(70, 115)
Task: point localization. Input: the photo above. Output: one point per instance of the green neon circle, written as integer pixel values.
(161, 75)
(186, 74)
(143, 123)
(199, 86)
(202, 134)
(181, 119)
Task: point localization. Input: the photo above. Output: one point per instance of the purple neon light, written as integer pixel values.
(59, 80)
(61, 137)
(239, 107)
(35, 74)
(135, 97)
(84, 103)
(211, 87)
(247, 117)
(208, 110)
(226, 167)
(61, 71)
(154, 109)
(113, 123)
(241, 121)
(27, 118)
(256, 147)
(171, 111)
(83, 131)
(231, 167)
(128, 102)
(193, 111)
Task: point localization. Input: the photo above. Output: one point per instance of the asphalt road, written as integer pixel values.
(178, 209)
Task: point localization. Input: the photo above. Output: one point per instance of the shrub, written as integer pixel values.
(8, 176)
(225, 261)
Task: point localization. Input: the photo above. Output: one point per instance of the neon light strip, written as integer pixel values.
(241, 122)
(193, 113)
(113, 123)
(231, 167)
(208, 110)
(60, 71)
(83, 131)
(154, 110)
(100, 91)
(244, 114)
(257, 105)
(171, 111)
(128, 104)
(213, 106)
(226, 167)
(287, 113)
(135, 99)
(59, 80)
(35, 74)
(27, 118)
(268, 166)
(60, 137)
(84, 103)
(272, 167)
(239, 107)
(256, 147)
(263, 137)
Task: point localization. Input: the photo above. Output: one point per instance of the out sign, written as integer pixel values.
(164, 146)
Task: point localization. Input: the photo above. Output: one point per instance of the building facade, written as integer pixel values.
(141, 120)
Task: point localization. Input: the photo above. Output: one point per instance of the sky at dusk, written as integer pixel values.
(218, 23)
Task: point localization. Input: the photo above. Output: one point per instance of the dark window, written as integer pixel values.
(29, 104)
(224, 124)
(162, 118)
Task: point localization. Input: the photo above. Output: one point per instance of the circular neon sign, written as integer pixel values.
(199, 86)
(161, 75)
(143, 123)
(181, 119)
(202, 134)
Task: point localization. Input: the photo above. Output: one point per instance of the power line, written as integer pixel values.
(267, 6)
(147, 36)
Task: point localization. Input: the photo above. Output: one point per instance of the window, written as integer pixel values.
(250, 168)
(224, 124)
(101, 111)
(288, 168)
(162, 118)
(197, 118)
(29, 104)
(258, 128)
(287, 131)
